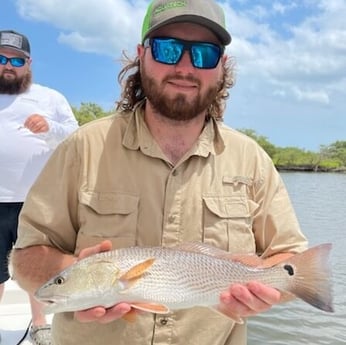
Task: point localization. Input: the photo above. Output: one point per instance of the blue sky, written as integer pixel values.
(290, 59)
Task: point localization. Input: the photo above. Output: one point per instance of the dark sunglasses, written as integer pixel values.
(14, 61)
(169, 51)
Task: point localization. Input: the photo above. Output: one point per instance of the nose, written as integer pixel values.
(185, 63)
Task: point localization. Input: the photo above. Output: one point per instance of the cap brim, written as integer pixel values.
(15, 49)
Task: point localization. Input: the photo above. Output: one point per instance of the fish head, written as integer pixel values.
(78, 285)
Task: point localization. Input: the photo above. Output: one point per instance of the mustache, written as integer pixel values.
(189, 78)
(9, 71)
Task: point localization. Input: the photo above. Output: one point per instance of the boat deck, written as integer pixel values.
(15, 315)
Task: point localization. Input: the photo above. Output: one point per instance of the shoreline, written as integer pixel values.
(309, 168)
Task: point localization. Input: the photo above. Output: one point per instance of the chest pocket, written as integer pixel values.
(110, 216)
(227, 223)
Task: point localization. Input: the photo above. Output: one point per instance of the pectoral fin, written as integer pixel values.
(135, 273)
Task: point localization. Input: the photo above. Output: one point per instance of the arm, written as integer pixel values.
(58, 125)
(33, 266)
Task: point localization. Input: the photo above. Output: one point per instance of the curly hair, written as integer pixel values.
(132, 91)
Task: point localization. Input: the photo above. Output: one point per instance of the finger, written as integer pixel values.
(40, 127)
(264, 293)
(232, 301)
(239, 300)
(104, 246)
(90, 315)
(101, 314)
(36, 123)
(116, 312)
(32, 120)
(226, 310)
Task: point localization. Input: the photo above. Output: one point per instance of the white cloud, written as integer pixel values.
(95, 26)
(270, 44)
(319, 96)
(311, 57)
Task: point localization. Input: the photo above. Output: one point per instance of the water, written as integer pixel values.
(320, 203)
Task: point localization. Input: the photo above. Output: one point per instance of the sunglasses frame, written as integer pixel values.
(6, 59)
(187, 46)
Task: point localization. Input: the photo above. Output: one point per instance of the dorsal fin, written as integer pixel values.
(206, 249)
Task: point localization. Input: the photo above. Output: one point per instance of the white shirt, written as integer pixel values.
(23, 153)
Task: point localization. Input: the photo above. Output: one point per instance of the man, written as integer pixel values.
(164, 170)
(33, 119)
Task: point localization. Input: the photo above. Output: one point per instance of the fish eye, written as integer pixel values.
(59, 280)
(289, 269)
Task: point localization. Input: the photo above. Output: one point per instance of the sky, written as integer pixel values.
(290, 59)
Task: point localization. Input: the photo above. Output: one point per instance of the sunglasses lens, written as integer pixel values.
(205, 55)
(3, 60)
(167, 51)
(17, 62)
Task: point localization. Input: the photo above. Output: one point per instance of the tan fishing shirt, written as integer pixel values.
(110, 180)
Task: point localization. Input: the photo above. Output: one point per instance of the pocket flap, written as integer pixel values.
(110, 202)
(230, 207)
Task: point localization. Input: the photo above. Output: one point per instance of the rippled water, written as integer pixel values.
(320, 203)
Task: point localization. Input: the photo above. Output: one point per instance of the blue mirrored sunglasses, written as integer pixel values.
(14, 61)
(169, 51)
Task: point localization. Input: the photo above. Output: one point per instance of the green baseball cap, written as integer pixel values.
(203, 12)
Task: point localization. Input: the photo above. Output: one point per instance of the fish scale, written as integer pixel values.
(161, 279)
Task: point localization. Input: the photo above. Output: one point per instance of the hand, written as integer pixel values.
(101, 314)
(36, 123)
(247, 300)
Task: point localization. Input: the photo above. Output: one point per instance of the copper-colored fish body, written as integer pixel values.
(160, 279)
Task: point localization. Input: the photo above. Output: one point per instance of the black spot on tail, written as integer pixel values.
(289, 269)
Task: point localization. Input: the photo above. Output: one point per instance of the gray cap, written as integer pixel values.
(15, 40)
(203, 12)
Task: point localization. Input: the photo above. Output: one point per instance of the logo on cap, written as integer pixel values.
(10, 39)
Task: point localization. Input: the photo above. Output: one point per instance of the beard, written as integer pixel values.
(16, 85)
(179, 107)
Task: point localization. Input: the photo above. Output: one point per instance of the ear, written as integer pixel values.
(140, 51)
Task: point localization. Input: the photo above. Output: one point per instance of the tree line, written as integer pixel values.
(329, 158)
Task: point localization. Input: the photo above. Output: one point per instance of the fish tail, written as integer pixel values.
(312, 276)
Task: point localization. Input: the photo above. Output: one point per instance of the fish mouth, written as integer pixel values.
(53, 300)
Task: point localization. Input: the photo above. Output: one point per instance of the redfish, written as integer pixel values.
(158, 280)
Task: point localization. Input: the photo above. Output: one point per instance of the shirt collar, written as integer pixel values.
(138, 136)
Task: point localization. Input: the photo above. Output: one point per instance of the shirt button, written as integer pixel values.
(171, 219)
(164, 321)
(174, 172)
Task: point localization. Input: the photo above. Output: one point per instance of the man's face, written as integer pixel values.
(14, 79)
(180, 91)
